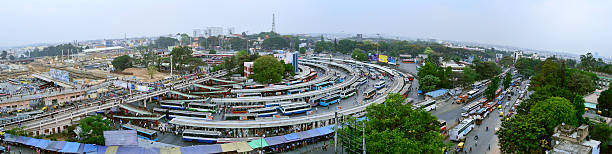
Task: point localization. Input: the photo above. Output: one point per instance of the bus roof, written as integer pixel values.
(193, 131)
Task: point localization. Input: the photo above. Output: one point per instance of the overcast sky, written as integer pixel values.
(559, 25)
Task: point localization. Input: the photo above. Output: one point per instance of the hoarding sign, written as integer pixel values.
(382, 58)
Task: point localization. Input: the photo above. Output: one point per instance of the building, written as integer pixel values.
(359, 37)
(498, 57)
(569, 139)
(248, 69)
(288, 58)
(517, 55)
(108, 43)
(213, 31)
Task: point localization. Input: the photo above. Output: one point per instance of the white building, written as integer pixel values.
(517, 55)
(213, 31)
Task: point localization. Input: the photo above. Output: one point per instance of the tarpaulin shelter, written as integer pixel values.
(90, 148)
(121, 138)
(275, 140)
(57, 146)
(32, 142)
(174, 150)
(101, 149)
(325, 130)
(258, 143)
(10, 137)
(292, 137)
(70, 147)
(42, 144)
(23, 139)
(110, 150)
(214, 148)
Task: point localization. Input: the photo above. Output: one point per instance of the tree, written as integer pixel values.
(578, 104)
(11, 57)
(212, 52)
(321, 46)
(549, 74)
(395, 127)
(359, 55)
(521, 134)
(93, 128)
(469, 76)
(552, 112)
(122, 62)
(490, 91)
(275, 43)
(185, 39)
(267, 69)
(164, 42)
(302, 50)
(151, 70)
(428, 51)
(486, 69)
(580, 82)
(507, 80)
(601, 132)
(19, 131)
(182, 57)
(238, 43)
(527, 67)
(604, 102)
(3, 55)
(506, 61)
(428, 83)
(345, 46)
(288, 68)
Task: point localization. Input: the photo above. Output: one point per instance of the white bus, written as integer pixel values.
(427, 105)
(472, 93)
(379, 85)
(460, 131)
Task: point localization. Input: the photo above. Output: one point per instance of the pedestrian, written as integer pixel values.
(470, 149)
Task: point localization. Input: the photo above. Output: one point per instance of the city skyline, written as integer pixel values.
(575, 27)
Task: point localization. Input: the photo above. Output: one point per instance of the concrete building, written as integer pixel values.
(498, 57)
(569, 139)
(248, 69)
(213, 31)
(517, 55)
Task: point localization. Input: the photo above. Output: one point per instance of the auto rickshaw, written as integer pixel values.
(501, 114)
(44, 108)
(460, 146)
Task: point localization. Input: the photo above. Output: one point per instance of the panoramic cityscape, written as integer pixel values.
(192, 77)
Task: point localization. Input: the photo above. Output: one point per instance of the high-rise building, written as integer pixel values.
(517, 55)
(359, 37)
(108, 43)
(214, 31)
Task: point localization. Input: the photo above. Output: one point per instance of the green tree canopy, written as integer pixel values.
(212, 52)
(275, 43)
(302, 50)
(267, 69)
(122, 62)
(507, 80)
(164, 42)
(93, 128)
(394, 127)
(521, 134)
(601, 132)
(428, 83)
(490, 91)
(428, 51)
(553, 111)
(359, 55)
(605, 102)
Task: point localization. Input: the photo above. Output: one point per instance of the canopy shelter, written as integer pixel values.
(325, 130)
(90, 148)
(32, 142)
(42, 144)
(275, 140)
(58, 146)
(436, 93)
(259, 143)
(291, 137)
(10, 138)
(185, 95)
(139, 118)
(70, 147)
(214, 148)
(210, 92)
(23, 139)
(206, 87)
(236, 146)
(224, 81)
(135, 109)
(175, 150)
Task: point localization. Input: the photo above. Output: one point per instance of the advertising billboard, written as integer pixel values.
(392, 60)
(382, 58)
(59, 75)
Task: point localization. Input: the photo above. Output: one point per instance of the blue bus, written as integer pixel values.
(330, 100)
(297, 91)
(379, 85)
(322, 85)
(295, 109)
(142, 132)
(191, 135)
(169, 104)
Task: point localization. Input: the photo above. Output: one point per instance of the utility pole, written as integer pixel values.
(170, 65)
(336, 133)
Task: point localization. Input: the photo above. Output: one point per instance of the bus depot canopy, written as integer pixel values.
(110, 150)
(436, 93)
(275, 140)
(243, 147)
(259, 143)
(120, 138)
(51, 145)
(42, 144)
(325, 130)
(185, 95)
(135, 109)
(228, 147)
(58, 146)
(221, 80)
(206, 87)
(70, 147)
(32, 142)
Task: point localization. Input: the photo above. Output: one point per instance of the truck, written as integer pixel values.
(461, 99)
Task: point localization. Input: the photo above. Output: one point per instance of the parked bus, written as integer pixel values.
(379, 85)
(295, 109)
(348, 93)
(264, 112)
(172, 105)
(244, 109)
(472, 93)
(277, 104)
(249, 95)
(362, 81)
(322, 85)
(296, 91)
(335, 98)
(142, 132)
(201, 136)
(189, 115)
(369, 93)
(202, 107)
(240, 116)
(427, 105)
(460, 131)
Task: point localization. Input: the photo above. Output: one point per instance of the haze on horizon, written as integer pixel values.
(557, 25)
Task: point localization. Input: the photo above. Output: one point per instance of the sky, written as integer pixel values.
(578, 26)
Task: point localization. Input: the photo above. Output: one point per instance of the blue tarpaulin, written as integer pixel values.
(436, 93)
(304, 135)
(325, 130)
(42, 144)
(89, 148)
(214, 148)
(291, 137)
(313, 133)
(275, 140)
(81, 148)
(23, 139)
(70, 147)
(10, 138)
(58, 146)
(137, 150)
(50, 145)
(32, 142)
(101, 149)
